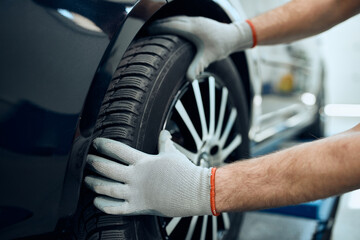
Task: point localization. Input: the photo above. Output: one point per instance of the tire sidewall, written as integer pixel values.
(170, 79)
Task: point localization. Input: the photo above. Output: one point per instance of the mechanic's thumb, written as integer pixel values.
(176, 25)
(196, 67)
(165, 143)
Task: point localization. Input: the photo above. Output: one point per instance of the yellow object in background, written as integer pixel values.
(286, 83)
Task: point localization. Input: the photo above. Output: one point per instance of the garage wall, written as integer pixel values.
(341, 50)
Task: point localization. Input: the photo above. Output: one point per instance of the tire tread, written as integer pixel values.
(118, 119)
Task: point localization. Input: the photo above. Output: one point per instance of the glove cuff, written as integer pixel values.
(245, 38)
(254, 36)
(204, 192)
(212, 192)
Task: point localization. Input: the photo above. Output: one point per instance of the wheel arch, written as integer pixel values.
(134, 28)
(218, 10)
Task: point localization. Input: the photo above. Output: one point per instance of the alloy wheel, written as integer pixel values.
(202, 121)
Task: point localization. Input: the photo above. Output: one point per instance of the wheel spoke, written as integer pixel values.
(204, 227)
(226, 220)
(185, 117)
(200, 105)
(229, 149)
(191, 228)
(212, 105)
(190, 155)
(224, 97)
(172, 225)
(228, 127)
(214, 228)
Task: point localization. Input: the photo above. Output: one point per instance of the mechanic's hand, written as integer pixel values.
(213, 40)
(167, 184)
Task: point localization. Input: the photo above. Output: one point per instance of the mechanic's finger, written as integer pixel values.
(171, 20)
(108, 168)
(118, 150)
(180, 28)
(111, 206)
(194, 69)
(107, 187)
(168, 28)
(179, 18)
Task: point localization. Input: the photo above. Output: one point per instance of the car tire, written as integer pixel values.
(140, 102)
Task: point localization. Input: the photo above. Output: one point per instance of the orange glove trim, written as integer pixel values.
(253, 33)
(212, 192)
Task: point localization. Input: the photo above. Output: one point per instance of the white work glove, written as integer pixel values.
(214, 40)
(167, 184)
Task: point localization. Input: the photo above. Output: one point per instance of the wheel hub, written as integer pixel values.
(209, 155)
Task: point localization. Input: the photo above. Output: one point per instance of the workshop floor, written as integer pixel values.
(269, 226)
(261, 226)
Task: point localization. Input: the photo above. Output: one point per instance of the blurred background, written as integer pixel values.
(341, 52)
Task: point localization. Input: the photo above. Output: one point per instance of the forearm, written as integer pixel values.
(302, 18)
(303, 173)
